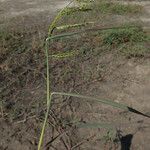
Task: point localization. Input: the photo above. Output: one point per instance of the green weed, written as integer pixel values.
(117, 8)
(121, 36)
(129, 41)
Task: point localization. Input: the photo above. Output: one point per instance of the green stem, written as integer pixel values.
(44, 124)
(52, 26)
(48, 73)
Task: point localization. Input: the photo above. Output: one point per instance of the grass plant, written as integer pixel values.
(50, 93)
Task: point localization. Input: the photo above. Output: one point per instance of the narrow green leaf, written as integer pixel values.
(82, 31)
(103, 101)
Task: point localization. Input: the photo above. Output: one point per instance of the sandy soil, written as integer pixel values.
(29, 12)
(125, 81)
(16, 8)
(145, 18)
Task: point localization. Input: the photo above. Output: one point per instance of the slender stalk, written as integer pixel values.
(52, 26)
(48, 73)
(44, 124)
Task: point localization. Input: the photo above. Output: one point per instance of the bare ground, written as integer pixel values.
(109, 76)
